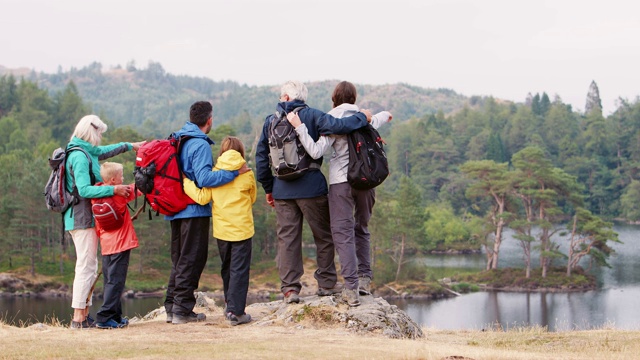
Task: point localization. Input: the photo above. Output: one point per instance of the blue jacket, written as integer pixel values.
(197, 164)
(312, 183)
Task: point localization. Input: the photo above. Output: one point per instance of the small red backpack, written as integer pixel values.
(158, 176)
(105, 214)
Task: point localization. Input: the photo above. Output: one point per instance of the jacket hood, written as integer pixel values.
(230, 160)
(342, 109)
(191, 129)
(288, 106)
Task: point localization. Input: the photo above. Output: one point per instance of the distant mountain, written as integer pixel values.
(155, 102)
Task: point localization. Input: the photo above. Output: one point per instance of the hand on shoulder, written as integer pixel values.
(294, 119)
(243, 169)
(367, 113)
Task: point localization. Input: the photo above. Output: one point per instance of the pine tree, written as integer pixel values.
(495, 148)
(593, 99)
(535, 105)
(545, 104)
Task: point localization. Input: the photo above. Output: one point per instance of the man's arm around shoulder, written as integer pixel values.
(328, 124)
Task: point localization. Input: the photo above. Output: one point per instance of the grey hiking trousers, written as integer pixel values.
(350, 214)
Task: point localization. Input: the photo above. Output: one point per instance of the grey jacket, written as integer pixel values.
(340, 158)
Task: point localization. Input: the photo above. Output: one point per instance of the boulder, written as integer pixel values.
(373, 316)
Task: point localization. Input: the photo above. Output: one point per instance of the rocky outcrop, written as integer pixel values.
(16, 286)
(373, 316)
(10, 283)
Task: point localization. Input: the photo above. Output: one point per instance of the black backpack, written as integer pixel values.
(368, 165)
(289, 160)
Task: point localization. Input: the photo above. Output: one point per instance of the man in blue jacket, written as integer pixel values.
(190, 227)
(304, 197)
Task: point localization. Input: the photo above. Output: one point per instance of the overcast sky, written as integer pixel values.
(501, 48)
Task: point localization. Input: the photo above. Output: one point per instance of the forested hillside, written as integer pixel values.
(155, 103)
(461, 169)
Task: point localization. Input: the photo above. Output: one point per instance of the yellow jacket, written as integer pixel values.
(232, 202)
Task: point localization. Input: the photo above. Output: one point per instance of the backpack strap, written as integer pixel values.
(296, 110)
(181, 140)
(91, 175)
(74, 190)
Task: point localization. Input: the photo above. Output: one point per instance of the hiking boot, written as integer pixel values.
(183, 319)
(291, 297)
(169, 317)
(82, 325)
(336, 289)
(350, 297)
(364, 285)
(110, 324)
(238, 320)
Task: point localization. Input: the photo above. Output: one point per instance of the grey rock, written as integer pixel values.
(375, 315)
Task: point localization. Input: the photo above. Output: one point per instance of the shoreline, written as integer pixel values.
(269, 296)
(12, 285)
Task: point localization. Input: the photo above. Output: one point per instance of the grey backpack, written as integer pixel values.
(56, 195)
(288, 158)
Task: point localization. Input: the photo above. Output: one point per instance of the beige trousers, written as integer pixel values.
(86, 244)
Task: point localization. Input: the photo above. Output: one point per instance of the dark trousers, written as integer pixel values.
(189, 250)
(236, 261)
(289, 215)
(114, 269)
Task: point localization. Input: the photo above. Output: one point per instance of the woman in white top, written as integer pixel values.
(350, 208)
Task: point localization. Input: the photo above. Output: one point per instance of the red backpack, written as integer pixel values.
(158, 176)
(105, 214)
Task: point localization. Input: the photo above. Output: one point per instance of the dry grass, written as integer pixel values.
(215, 339)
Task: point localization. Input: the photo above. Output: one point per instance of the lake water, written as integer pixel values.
(614, 304)
(20, 310)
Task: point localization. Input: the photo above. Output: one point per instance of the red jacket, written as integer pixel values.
(124, 238)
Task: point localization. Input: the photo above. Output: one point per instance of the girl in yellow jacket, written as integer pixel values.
(232, 226)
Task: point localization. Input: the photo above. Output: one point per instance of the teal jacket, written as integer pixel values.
(79, 216)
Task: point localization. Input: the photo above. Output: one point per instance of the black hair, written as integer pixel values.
(200, 112)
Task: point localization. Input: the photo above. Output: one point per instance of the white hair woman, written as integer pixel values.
(82, 173)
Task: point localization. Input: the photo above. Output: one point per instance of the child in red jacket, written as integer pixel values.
(116, 245)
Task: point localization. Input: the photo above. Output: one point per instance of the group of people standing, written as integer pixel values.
(331, 219)
(338, 216)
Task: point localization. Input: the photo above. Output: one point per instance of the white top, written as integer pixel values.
(340, 158)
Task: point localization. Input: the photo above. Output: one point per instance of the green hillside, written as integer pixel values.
(155, 102)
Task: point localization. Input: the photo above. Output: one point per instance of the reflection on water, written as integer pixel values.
(29, 310)
(613, 305)
(556, 311)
